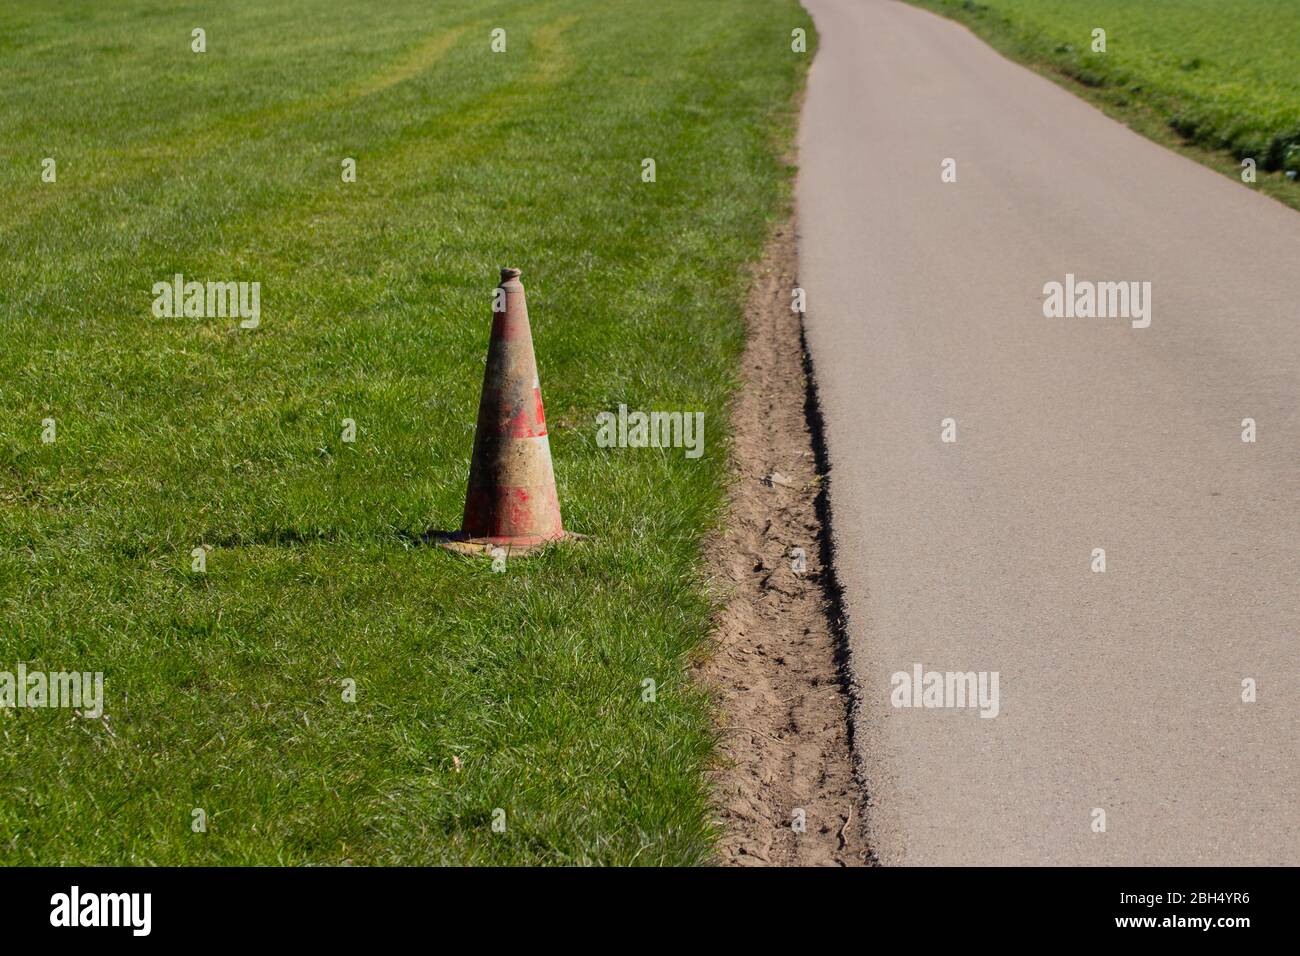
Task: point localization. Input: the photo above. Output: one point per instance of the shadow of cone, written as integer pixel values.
(511, 501)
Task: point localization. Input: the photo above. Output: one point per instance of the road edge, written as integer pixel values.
(787, 784)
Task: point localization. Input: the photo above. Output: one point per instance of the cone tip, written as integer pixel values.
(508, 274)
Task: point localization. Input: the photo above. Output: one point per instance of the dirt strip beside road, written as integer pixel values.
(778, 669)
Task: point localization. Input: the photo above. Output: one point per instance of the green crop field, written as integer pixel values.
(1224, 77)
(127, 440)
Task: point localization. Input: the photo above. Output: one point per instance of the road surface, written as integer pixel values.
(1118, 691)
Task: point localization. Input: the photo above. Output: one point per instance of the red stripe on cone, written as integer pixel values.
(510, 515)
(515, 420)
(503, 330)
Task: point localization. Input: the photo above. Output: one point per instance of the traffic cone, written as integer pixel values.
(511, 500)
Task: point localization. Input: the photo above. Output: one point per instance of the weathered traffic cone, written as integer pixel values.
(511, 500)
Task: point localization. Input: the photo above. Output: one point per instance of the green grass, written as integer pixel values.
(224, 690)
(1220, 81)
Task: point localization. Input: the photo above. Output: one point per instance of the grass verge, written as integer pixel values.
(1216, 82)
(224, 690)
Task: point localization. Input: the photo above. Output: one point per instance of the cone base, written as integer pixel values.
(518, 545)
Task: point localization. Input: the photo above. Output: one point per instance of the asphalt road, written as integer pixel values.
(1118, 691)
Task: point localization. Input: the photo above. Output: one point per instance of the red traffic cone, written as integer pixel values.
(511, 500)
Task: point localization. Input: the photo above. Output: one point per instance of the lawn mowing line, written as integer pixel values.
(417, 61)
(550, 68)
(460, 127)
(463, 129)
(113, 168)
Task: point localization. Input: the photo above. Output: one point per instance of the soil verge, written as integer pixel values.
(779, 670)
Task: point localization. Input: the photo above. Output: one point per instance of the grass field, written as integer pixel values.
(224, 690)
(1223, 77)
